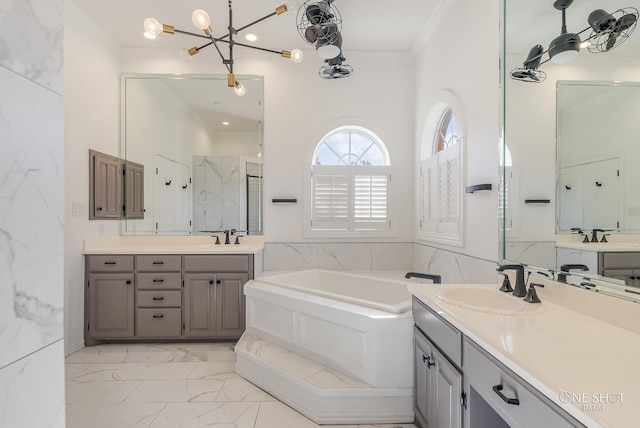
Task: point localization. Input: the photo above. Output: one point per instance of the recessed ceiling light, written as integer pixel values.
(225, 123)
(251, 37)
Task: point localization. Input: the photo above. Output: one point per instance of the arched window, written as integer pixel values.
(350, 176)
(447, 134)
(441, 174)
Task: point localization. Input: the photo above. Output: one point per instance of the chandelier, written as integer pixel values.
(201, 20)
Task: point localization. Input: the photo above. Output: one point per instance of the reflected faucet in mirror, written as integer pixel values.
(564, 270)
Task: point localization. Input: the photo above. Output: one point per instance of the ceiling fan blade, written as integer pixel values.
(311, 34)
(625, 22)
(318, 13)
(611, 41)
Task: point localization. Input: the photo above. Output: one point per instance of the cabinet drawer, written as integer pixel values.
(158, 299)
(217, 263)
(444, 335)
(159, 263)
(119, 263)
(159, 281)
(533, 409)
(629, 260)
(158, 322)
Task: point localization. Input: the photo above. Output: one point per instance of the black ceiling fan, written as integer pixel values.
(607, 31)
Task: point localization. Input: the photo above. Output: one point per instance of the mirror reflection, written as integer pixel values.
(597, 149)
(201, 147)
(583, 141)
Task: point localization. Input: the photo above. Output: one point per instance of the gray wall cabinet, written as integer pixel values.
(105, 186)
(116, 188)
(165, 297)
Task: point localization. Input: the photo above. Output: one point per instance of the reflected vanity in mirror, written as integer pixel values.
(201, 146)
(570, 144)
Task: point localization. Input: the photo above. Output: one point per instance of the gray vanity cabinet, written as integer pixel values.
(214, 294)
(165, 297)
(437, 385)
(109, 304)
(158, 296)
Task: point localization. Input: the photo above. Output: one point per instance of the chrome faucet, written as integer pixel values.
(594, 234)
(520, 289)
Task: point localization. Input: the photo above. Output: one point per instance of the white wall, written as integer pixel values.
(92, 121)
(461, 56)
(31, 214)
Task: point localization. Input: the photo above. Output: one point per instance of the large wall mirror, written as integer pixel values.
(559, 135)
(201, 148)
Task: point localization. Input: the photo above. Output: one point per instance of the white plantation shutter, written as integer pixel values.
(440, 192)
(371, 193)
(448, 189)
(330, 197)
(507, 205)
(347, 197)
(429, 194)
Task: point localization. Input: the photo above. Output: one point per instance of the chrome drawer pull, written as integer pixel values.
(158, 298)
(158, 280)
(158, 316)
(514, 401)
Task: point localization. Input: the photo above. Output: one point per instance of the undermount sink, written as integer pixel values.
(486, 300)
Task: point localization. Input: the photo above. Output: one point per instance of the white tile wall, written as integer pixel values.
(32, 207)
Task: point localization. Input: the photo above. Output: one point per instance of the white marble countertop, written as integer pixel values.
(617, 243)
(559, 350)
(171, 245)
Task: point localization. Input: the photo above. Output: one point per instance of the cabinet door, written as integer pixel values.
(422, 382)
(230, 313)
(447, 384)
(110, 305)
(199, 305)
(133, 191)
(105, 186)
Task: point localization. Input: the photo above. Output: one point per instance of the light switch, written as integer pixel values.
(78, 209)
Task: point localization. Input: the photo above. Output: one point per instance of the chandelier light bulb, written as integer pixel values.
(239, 89)
(297, 56)
(184, 55)
(201, 19)
(149, 35)
(153, 27)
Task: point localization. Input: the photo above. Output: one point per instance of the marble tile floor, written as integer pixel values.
(171, 385)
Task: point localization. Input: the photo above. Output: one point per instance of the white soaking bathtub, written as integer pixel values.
(356, 324)
(336, 346)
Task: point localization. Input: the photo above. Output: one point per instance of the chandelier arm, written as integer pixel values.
(255, 22)
(258, 48)
(224, 61)
(192, 34)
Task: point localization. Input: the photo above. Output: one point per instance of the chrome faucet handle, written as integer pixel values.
(532, 296)
(506, 284)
